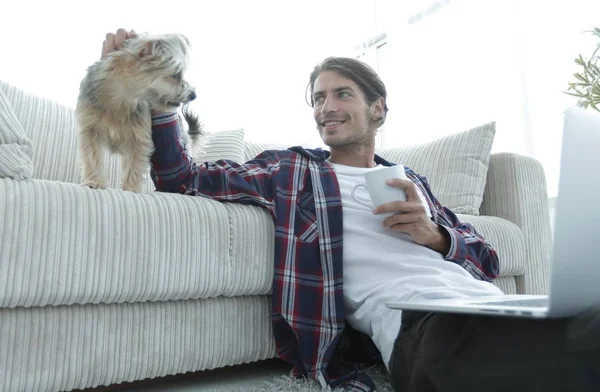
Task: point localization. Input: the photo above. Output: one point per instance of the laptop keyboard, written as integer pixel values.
(527, 302)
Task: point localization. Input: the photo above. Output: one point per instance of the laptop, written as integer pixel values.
(575, 264)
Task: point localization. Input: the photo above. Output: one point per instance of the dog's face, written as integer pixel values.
(156, 68)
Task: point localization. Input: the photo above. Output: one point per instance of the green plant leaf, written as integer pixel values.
(581, 77)
(586, 86)
(573, 94)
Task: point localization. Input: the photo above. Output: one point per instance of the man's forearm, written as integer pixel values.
(171, 165)
(441, 241)
(471, 250)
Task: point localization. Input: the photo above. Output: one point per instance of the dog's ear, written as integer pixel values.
(147, 50)
(187, 41)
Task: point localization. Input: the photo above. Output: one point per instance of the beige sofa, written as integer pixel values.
(104, 286)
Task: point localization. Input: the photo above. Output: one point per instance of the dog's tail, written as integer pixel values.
(195, 127)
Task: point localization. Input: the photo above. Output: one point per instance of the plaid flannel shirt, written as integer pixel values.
(300, 190)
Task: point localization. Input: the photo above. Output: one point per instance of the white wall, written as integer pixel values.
(476, 61)
(252, 59)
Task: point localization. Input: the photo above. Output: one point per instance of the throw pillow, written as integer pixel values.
(228, 145)
(455, 166)
(15, 147)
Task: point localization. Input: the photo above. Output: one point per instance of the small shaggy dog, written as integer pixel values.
(115, 98)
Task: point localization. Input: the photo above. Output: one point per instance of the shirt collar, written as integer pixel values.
(318, 154)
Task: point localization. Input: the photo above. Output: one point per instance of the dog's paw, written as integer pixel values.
(132, 188)
(95, 184)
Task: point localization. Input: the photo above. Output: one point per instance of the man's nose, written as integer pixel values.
(328, 106)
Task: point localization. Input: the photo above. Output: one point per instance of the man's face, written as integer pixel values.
(341, 112)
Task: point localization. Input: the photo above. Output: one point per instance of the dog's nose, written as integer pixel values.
(192, 96)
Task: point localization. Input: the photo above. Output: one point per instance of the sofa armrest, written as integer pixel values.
(516, 191)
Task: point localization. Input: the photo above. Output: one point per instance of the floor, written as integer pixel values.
(232, 378)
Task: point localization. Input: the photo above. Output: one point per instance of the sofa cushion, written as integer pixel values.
(455, 166)
(228, 145)
(15, 147)
(62, 244)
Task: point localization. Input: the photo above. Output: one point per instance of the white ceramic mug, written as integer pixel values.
(379, 191)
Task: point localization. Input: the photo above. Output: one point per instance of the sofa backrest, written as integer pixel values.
(51, 128)
(456, 165)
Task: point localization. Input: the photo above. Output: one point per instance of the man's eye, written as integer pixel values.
(319, 100)
(343, 94)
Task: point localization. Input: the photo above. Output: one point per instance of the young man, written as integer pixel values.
(337, 261)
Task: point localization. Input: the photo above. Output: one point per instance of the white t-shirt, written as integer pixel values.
(381, 265)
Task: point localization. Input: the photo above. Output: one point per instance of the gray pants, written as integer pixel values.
(451, 352)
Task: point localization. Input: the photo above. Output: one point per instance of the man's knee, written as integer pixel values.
(405, 347)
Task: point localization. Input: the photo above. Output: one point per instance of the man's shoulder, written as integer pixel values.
(411, 173)
(295, 152)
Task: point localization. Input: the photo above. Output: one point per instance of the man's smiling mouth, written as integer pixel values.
(332, 124)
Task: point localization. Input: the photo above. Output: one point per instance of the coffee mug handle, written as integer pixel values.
(356, 198)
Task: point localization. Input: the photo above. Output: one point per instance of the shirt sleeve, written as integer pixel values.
(174, 170)
(468, 248)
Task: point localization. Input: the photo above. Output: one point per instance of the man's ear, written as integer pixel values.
(378, 109)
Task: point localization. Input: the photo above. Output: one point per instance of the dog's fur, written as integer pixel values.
(115, 98)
